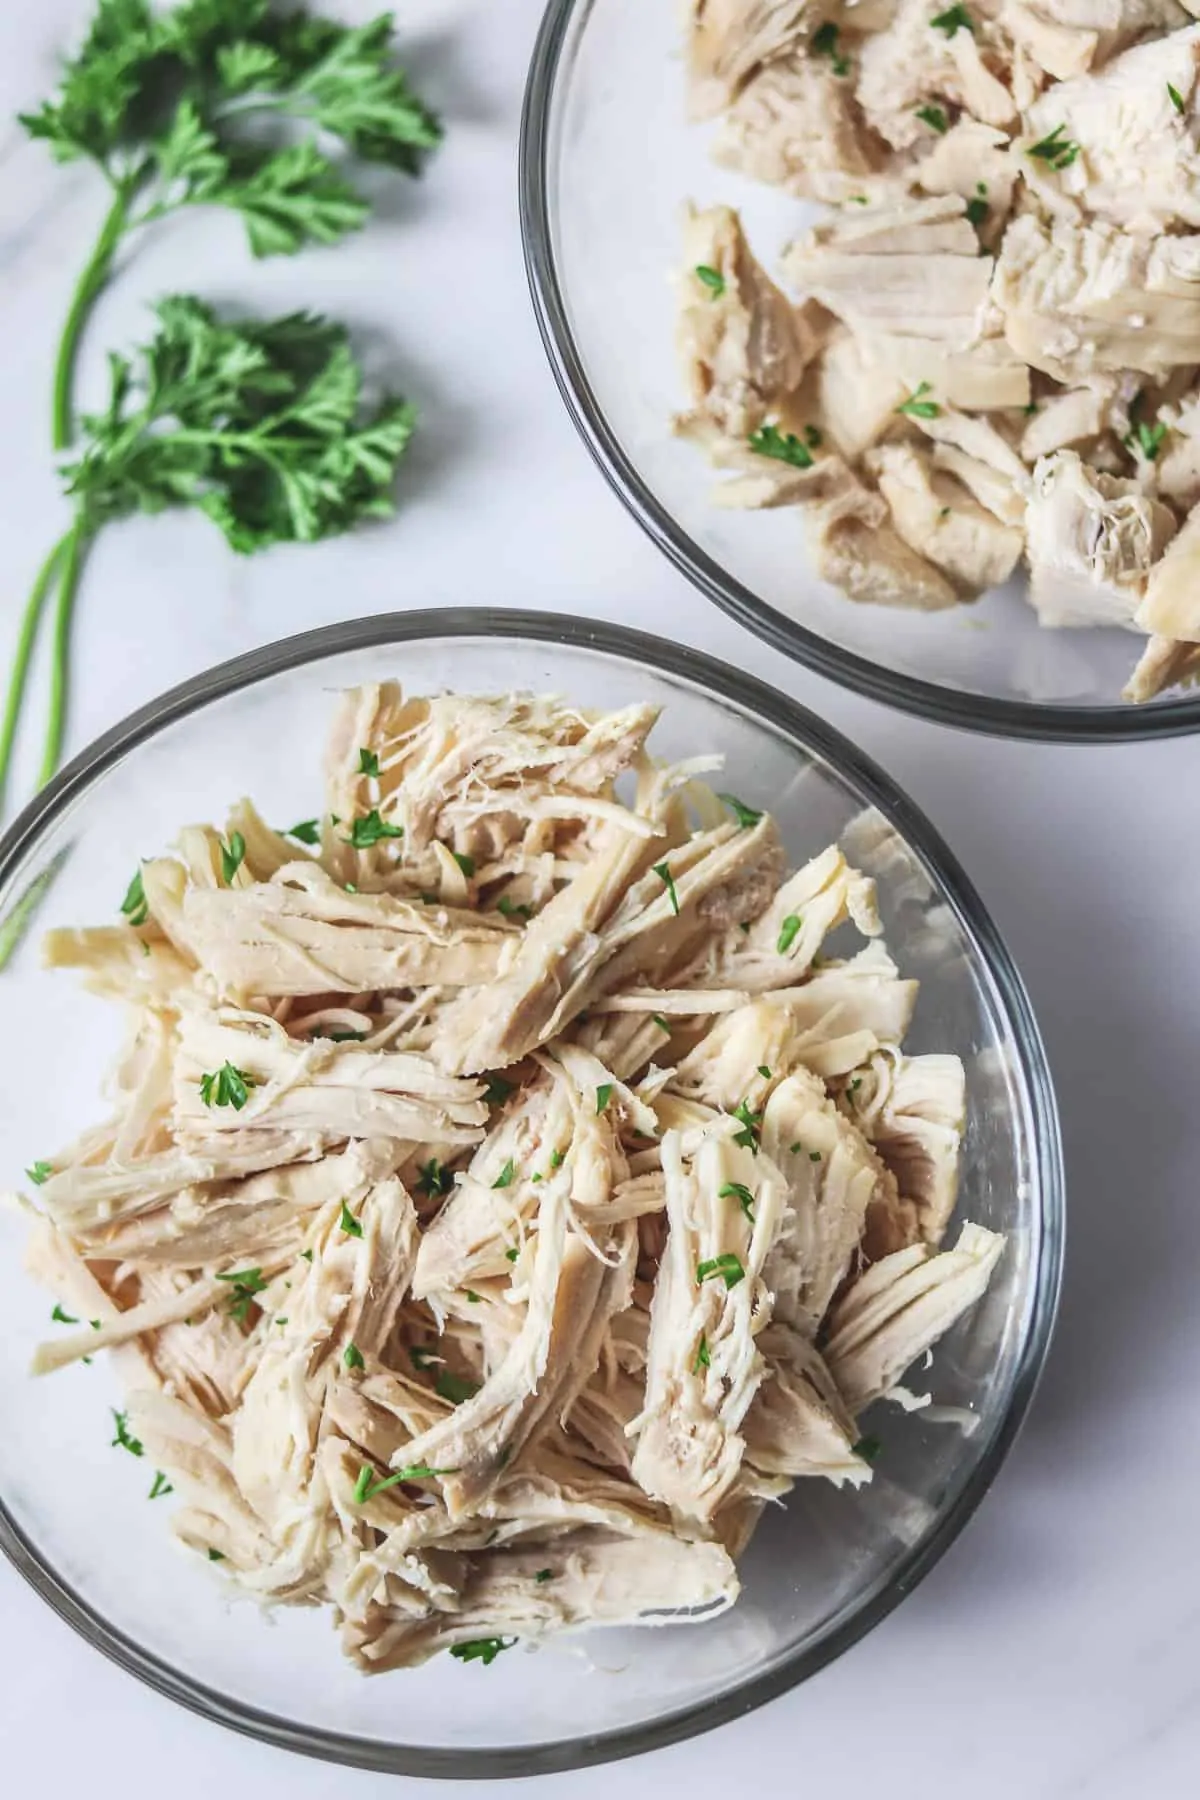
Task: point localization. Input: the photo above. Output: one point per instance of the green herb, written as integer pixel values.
(216, 1555)
(788, 932)
(744, 926)
(160, 1486)
(955, 18)
(824, 43)
(370, 830)
(512, 911)
(227, 1086)
(307, 1255)
(764, 1071)
(813, 437)
(308, 831)
(737, 1190)
(728, 1267)
(860, 200)
(662, 870)
(246, 1284)
(498, 1090)
(783, 446)
(814, 1156)
(454, 1388)
(868, 1448)
(349, 1224)
(435, 1180)
(256, 424)
(511, 1255)
(916, 407)
(1149, 438)
(39, 1173)
(465, 863)
(135, 906)
(934, 117)
(352, 1356)
(484, 1650)
(544, 1575)
(1176, 97)
(351, 888)
(603, 1095)
(751, 1123)
(473, 1297)
(1059, 151)
(368, 764)
(421, 1355)
(657, 1019)
(233, 855)
(505, 1177)
(124, 1437)
(702, 1361)
(745, 815)
(977, 212)
(63, 1318)
(282, 1319)
(557, 1159)
(366, 1488)
(713, 279)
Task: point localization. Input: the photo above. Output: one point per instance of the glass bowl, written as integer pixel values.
(74, 1513)
(608, 159)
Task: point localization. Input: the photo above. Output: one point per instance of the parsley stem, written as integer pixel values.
(34, 608)
(76, 541)
(87, 290)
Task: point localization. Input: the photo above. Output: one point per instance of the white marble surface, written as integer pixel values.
(1053, 1651)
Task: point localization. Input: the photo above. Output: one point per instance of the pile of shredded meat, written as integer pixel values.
(988, 353)
(504, 1199)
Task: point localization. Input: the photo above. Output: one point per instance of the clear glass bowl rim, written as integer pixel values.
(1119, 723)
(810, 733)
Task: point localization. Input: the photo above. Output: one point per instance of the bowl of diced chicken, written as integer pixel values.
(884, 319)
(577, 1179)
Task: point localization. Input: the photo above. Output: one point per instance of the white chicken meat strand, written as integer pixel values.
(1093, 540)
(403, 1332)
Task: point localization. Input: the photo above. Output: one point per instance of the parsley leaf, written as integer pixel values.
(510, 910)
(465, 863)
(215, 1555)
(824, 43)
(455, 1388)
(349, 1224)
(134, 906)
(498, 1090)
(868, 1448)
(352, 1357)
(955, 18)
(484, 1650)
(604, 1094)
(1149, 438)
(63, 1318)
(506, 1176)
(713, 280)
(366, 1488)
(745, 815)
(934, 117)
(227, 1086)
(728, 1267)
(751, 1123)
(233, 855)
(124, 1436)
(977, 212)
(308, 831)
(789, 930)
(434, 1179)
(1176, 98)
(657, 1019)
(544, 1575)
(782, 446)
(371, 830)
(1055, 149)
(39, 1173)
(737, 1190)
(916, 407)
(662, 870)
(246, 1284)
(703, 1360)
(368, 764)
(160, 1486)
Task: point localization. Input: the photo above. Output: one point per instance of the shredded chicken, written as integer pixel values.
(1010, 268)
(468, 1356)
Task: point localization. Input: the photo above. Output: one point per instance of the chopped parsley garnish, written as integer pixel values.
(63, 1318)
(135, 906)
(366, 1487)
(604, 1094)
(557, 1159)
(1149, 438)
(868, 1448)
(702, 1359)
(824, 43)
(955, 18)
(349, 1224)
(421, 1355)
(227, 1086)
(918, 408)
(814, 1156)
(455, 1388)
(977, 212)
(233, 855)
(352, 1356)
(727, 1266)
(506, 1176)
(663, 872)
(737, 1190)
(434, 1179)
(788, 933)
(497, 1090)
(368, 764)
(1176, 98)
(474, 1298)
(511, 910)
(465, 863)
(308, 831)
(484, 1650)
(751, 1123)
(160, 1486)
(307, 1255)
(215, 1555)
(934, 117)
(783, 446)
(764, 1071)
(39, 1172)
(511, 1255)
(371, 829)
(745, 815)
(713, 279)
(1059, 151)
(544, 1575)
(246, 1284)
(124, 1436)
(657, 1019)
